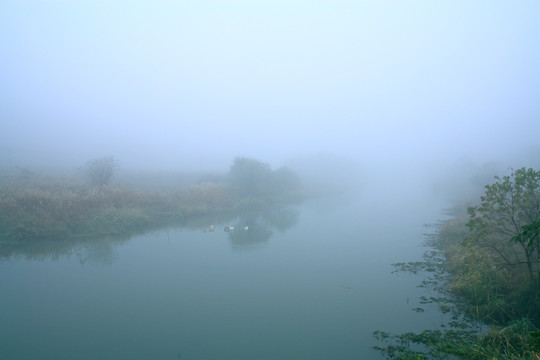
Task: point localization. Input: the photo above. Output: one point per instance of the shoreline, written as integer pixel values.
(59, 210)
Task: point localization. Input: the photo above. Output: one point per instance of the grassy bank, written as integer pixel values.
(34, 208)
(54, 208)
(494, 313)
(488, 290)
(484, 264)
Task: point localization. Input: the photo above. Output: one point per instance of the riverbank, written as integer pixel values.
(487, 291)
(68, 208)
(495, 314)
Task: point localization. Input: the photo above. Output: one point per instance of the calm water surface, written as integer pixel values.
(306, 282)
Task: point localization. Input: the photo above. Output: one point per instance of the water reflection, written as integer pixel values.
(98, 250)
(253, 227)
(257, 235)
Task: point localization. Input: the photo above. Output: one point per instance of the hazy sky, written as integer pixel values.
(174, 84)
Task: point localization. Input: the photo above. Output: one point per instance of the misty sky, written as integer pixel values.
(178, 84)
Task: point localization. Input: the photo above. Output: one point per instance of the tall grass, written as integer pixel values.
(489, 291)
(58, 208)
(475, 289)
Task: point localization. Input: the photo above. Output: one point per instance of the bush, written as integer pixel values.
(100, 171)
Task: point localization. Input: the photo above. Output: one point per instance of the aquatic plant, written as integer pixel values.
(475, 286)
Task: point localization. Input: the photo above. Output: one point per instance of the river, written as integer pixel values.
(310, 281)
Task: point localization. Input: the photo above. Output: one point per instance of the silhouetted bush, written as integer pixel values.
(100, 171)
(252, 178)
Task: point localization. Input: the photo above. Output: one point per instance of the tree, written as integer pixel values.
(250, 177)
(507, 221)
(284, 181)
(100, 171)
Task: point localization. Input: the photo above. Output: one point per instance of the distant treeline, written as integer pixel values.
(34, 208)
(485, 265)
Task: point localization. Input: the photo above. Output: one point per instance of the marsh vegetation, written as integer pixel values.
(35, 208)
(484, 264)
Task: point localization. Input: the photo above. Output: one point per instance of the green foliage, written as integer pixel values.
(507, 221)
(530, 234)
(517, 341)
(503, 249)
(486, 269)
(428, 344)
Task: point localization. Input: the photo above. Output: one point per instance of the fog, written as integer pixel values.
(407, 105)
(385, 88)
